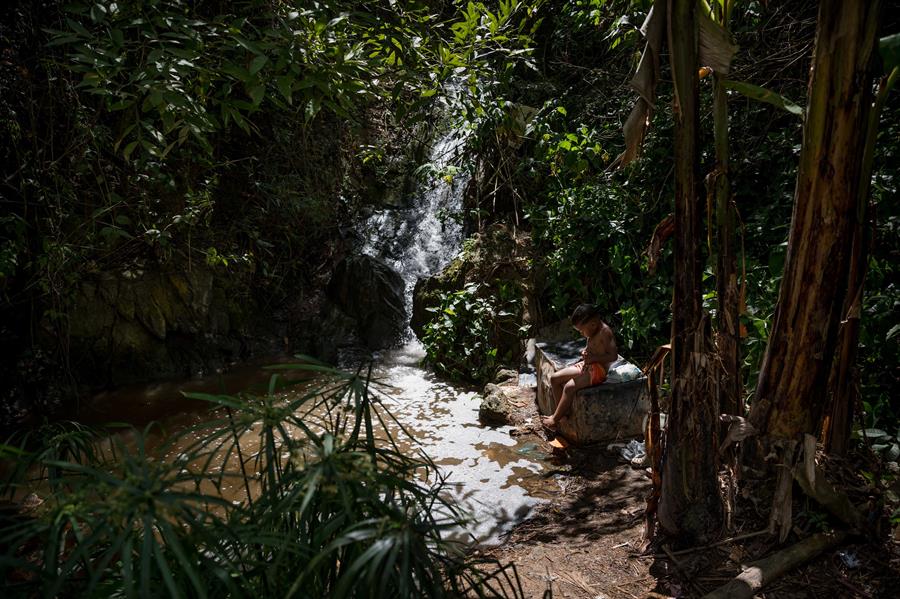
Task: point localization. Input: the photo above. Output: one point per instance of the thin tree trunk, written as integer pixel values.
(689, 503)
(843, 380)
(843, 384)
(790, 392)
(728, 336)
(655, 371)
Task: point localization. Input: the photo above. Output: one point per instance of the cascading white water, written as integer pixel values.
(488, 470)
(421, 239)
(495, 477)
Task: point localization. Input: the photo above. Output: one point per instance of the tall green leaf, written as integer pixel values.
(762, 94)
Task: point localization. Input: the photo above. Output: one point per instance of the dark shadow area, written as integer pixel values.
(598, 496)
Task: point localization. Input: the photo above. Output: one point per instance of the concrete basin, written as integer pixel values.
(610, 411)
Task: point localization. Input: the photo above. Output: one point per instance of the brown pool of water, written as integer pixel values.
(494, 476)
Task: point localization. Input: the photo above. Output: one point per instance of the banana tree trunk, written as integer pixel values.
(689, 503)
(844, 381)
(728, 337)
(790, 392)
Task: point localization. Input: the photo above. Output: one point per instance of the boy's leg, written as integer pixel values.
(579, 381)
(559, 379)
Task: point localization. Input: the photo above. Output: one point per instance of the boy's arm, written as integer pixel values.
(595, 355)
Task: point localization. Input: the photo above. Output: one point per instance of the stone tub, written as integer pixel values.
(610, 411)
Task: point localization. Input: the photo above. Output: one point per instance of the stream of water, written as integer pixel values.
(496, 477)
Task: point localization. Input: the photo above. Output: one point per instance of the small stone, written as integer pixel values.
(506, 375)
(495, 409)
(32, 501)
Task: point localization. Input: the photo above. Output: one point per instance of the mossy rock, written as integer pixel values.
(506, 375)
(495, 408)
(496, 260)
(128, 328)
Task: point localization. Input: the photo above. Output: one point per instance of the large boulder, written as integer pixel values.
(495, 264)
(371, 292)
(614, 409)
(428, 291)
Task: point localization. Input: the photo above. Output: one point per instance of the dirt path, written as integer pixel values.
(580, 543)
(585, 542)
(584, 545)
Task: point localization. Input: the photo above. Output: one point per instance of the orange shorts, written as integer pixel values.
(598, 373)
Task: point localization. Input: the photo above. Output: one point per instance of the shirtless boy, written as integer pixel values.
(596, 357)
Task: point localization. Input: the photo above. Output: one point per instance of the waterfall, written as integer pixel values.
(487, 468)
(421, 239)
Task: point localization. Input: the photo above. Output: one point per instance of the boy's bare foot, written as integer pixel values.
(549, 422)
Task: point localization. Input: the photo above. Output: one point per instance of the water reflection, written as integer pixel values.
(492, 475)
(495, 476)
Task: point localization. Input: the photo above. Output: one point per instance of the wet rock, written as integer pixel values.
(506, 375)
(372, 293)
(132, 326)
(336, 331)
(495, 408)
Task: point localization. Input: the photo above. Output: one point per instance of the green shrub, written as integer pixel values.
(461, 340)
(590, 238)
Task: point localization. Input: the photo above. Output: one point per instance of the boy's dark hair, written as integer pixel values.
(584, 313)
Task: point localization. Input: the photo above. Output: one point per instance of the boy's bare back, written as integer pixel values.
(600, 349)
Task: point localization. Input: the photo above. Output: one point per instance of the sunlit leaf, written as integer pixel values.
(763, 95)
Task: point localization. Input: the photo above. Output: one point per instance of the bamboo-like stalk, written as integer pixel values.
(689, 502)
(841, 384)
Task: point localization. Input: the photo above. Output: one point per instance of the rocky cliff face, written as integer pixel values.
(287, 199)
(130, 326)
(370, 292)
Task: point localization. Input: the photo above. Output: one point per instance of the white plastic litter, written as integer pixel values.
(849, 559)
(622, 371)
(527, 379)
(634, 452)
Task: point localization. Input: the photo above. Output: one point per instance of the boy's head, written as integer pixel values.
(586, 318)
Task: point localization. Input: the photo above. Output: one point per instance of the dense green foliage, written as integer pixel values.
(145, 137)
(459, 339)
(245, 138)
(336, 506)
(548, 140)
(879, 349)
